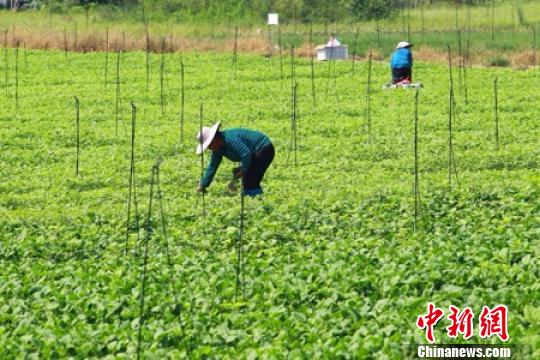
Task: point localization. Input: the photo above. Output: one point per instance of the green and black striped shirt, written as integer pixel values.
(239, 146)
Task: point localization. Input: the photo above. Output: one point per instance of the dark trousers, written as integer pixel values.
(259, 163)
(400, 74)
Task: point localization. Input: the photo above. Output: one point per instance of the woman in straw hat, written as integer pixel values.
(401, 63)
(251, 148)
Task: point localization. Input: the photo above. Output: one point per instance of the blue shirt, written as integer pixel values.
(239, 145)
(401, 58)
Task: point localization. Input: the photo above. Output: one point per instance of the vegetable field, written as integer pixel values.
(334, 263)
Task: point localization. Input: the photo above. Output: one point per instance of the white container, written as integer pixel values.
(273, 19)
(340, 52)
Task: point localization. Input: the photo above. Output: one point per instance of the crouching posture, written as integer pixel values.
(401, 63)
(252, 149)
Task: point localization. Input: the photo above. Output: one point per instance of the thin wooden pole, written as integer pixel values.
(147, 58)
(496, 113)
(450, 66)
(6, 84)
(25, 58)
(295, 128)
(148, 234)
(408, 21)
(354, 49)
(132, 194)
(280, 56)
(534, 46)
(450, 116)
(117, 91)
(422, 15)
(313, 82)
(240, 252)
(312, 64)
(368, 94)
(269, 41)
(17, 75)
(378, 34)
(464, 60)
(235, 51)
(78, 134)
(416, 178)
(182, 101)
(75, 41)
(492, 20)
(65, 42)
(106, 55)
(329, 72)
(460, 63)
(202, 156)
(161, 75)
(450, 145)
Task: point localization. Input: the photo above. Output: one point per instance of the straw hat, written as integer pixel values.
(403, 44)
(206, 136)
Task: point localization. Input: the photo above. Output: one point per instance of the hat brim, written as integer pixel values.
(213, 130)
(404, 46)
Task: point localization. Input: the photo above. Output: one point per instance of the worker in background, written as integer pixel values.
(252, 149)
(333, 41)
(401, 63)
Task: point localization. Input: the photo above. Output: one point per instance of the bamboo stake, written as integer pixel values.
(354, 50)
(408, 21)
(75, 42)
(534, 46)
(378, 34)
(492, 20)
(313, 82)
(450, 145)
(147, 58)
(202, 157)
(295, 115)
(450, 114)
(416, 178)
(161, 74)
(132, 194)
(176, 310)
(368, 94)
(460, 57)
(17, 75)
(329, 72)
(280, 57)
(312, 65)
(65, 43)
(240, 252)
(457, 13)
(464, 66)
(25, 58)
(402, 20)
(6, 84)
(149, 231)
(106, 55)
(182, 101)
(496, 114)
(422, 15)
(78, 134)
(117, 91)
(235, 56)
(269, 42)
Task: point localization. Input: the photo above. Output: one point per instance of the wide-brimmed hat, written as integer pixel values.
(206, 136)
(403, 44)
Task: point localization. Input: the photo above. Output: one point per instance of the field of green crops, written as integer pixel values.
(332, 265)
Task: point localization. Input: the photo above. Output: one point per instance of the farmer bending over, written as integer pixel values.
(402, 63)
(252, 149)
